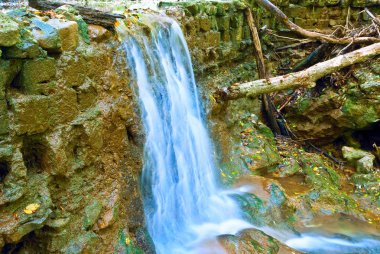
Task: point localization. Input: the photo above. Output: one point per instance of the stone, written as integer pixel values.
(9, 31)
(31, 113)
(72, 14)
(237, 20)
(204, 23)
(27, 223)
(87, 95)
(363, 160)
(4, 118)
(371, 87)
(212, 39)
(37, 71)
(46, 35)
(91, 214)
(15, 182)
(85, 243)
(27, 47)
(365, 164)
(65, 106)
(98, 33)
(8, 71)
(223, 23)
(249, 241)
(68, 32)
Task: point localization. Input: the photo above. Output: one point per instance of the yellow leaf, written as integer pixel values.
(31, 208)
(224, 175)
(127, 241)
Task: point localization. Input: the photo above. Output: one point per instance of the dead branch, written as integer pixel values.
(372, 16)
(305, 78)
(91, 16)
(267, 102)
(266, 4)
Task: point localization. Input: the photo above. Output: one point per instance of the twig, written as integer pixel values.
(373, 17)
(294, 45)
(266, 4)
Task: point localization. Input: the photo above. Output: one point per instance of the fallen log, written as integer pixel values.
(266, 4)
(91, 16)
(305, 78)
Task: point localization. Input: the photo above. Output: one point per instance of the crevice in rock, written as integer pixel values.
(26, 245)
(368, 137)
(34, 154)
(4, 171)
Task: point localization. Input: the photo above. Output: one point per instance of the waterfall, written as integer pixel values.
(183, 203)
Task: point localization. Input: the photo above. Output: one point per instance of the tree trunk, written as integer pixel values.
(305, 78)
(91, 16)
(269, 110)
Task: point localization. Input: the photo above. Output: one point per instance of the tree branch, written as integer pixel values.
(266, 4)
(305, 78)
(91, 16)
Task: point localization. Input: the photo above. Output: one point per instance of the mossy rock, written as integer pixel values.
(9, 31)
(27, 47)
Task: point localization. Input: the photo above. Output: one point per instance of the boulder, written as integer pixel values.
(46, 35)
(32, 113)
(9, 31)
(68, 32)
(37, 71)
(98, 33)
(361, 159)
(27, 47)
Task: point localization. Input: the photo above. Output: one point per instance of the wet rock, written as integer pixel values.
(36, 71)
(46, 35)
(98, 33)
(337, 111)
(4, 118)
(91, 214)
(32, 114)
(361, 159)
(14, 182)
(9, 31)
(68, 32)
(8, 70)
(14, 229)
(72, 14)
(85, 243)
(27, 47)
(252, 241)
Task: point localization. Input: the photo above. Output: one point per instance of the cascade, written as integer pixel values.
(182, 200)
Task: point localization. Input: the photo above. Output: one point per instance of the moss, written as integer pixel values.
(125, 245)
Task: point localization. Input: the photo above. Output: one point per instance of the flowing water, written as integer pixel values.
(184, 206)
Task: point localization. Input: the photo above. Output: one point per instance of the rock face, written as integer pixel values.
(70, 142)
(341, 110)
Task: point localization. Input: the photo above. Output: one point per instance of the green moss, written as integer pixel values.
(126, 246)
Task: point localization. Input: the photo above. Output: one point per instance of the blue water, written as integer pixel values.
(183, 203)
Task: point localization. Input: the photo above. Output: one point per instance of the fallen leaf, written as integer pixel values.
(31, 208)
